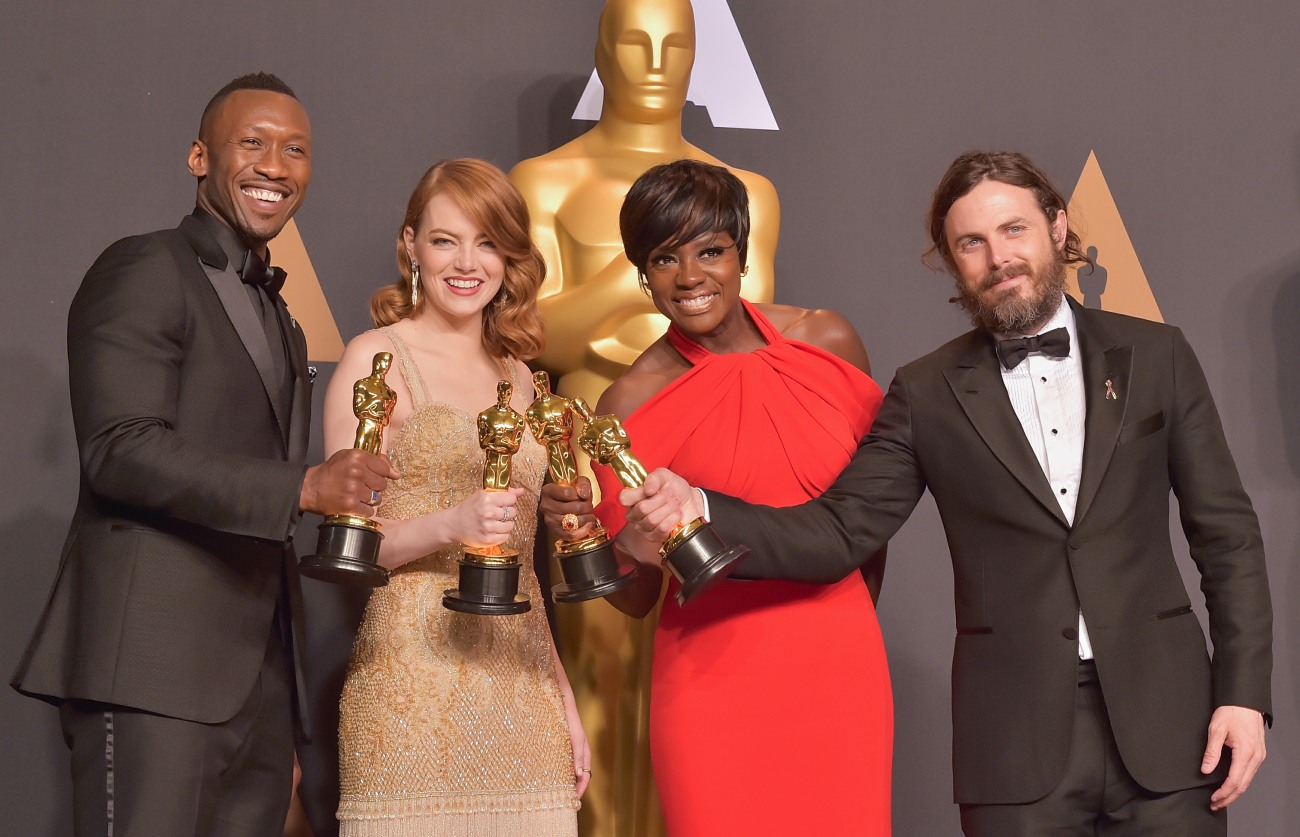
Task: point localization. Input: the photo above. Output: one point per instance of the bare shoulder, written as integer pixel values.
(361, 350)
(820, 327)
(523, 378)
(656, 368)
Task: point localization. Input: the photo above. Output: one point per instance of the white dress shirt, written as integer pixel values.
(1047, 394)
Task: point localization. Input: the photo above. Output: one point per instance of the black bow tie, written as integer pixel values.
(1055, 343)
(257, 272)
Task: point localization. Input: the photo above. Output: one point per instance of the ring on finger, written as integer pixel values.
(569, 522)
(374, 498)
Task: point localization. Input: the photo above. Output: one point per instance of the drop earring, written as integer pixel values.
(415, 285)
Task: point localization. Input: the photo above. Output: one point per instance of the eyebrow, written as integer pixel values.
(451, 234)
(1018, 221)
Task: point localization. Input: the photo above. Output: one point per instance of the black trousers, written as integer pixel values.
(136, 773)
(1096, 795)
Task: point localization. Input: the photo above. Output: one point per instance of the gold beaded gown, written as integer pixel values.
(450, 723)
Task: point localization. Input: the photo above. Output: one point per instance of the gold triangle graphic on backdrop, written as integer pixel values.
(1118, 283)
(305, 297)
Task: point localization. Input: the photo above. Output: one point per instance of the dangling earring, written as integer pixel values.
(415, 285)
(645, 283)
(744, 272)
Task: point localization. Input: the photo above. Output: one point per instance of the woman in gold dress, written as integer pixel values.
(452, 723)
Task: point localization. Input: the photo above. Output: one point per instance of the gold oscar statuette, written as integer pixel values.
(693, 553)
(489, 575)
(588, 566)
(347, 548)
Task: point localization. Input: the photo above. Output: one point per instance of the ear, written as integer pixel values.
(197, 162)
(408, 239)
(1060, 228)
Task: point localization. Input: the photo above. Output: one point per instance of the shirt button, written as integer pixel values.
(1044, 380)
(1062, 490)
(1054, 431)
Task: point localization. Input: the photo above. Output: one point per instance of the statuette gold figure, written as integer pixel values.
(489, 575)
(347, 546)
(588, 566)
(373, 401)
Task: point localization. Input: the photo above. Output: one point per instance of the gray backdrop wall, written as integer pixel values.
(1191, 109)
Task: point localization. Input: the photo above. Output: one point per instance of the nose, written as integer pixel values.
(466, 256)
(658, 49)
(691, 272)
(999, 252)
(268, 164)
(657, 52)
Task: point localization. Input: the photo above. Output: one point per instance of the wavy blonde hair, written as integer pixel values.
(512, 324)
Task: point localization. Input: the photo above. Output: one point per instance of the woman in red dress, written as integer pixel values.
(771, 710)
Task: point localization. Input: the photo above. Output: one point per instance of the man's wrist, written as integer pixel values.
(704, 505)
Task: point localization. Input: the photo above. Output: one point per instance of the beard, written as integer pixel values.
(1012, 312)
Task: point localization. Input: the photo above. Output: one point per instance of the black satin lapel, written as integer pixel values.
(248, 325)
(300, 411)
(1106, 377)
(983, 397)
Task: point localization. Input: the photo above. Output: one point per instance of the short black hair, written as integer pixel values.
(677, 202)
(251, 81)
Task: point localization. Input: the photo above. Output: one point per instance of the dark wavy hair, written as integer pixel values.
(512, 324)
(1010, 167)
(676, 202)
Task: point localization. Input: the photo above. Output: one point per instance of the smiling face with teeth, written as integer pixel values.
(461, 268)
(253, 163)
(697, 286)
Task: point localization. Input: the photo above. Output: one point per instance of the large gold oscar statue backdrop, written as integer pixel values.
(597, 322)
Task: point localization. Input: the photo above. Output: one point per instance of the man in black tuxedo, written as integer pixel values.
(169, 639)
(1050, 437)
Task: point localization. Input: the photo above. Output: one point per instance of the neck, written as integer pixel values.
(662, 138)
(448, 335)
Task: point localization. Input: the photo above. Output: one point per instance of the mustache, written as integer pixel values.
(996, 276)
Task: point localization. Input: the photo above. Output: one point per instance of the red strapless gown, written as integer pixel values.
(770, 706)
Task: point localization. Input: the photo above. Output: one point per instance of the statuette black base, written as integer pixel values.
(699, 559)
(590, 572)
(487, 589)
(347, 552)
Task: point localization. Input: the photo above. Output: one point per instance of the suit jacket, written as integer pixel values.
(191, 467)
(1022, 572)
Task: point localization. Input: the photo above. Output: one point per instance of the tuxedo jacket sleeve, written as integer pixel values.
(824, 540)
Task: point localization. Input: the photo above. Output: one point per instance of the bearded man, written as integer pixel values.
(1051, 437)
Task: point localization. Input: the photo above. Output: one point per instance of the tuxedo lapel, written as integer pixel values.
(239, 310)
(1107, 369)
(300, 409)
(977, 384)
